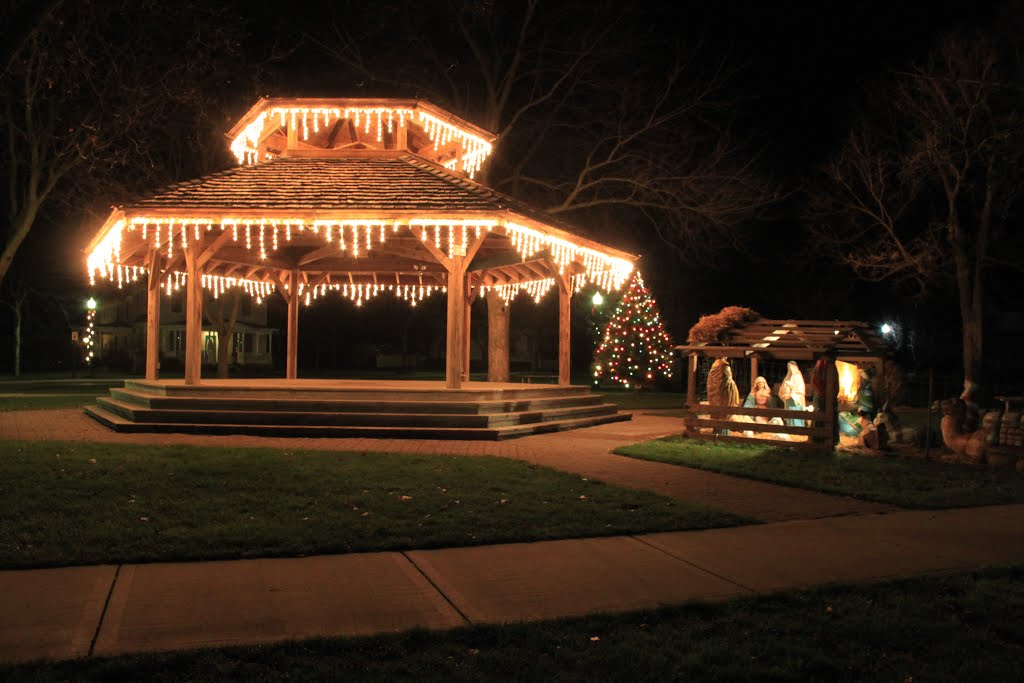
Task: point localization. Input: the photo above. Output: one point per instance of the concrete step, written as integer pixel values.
(120, 424)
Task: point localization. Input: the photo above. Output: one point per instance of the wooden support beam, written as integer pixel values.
(456, 323)
(317, 254)
(401, 134)
(332, 136)
(691, 380)
(292, 346)
(293, 135)
(470, 298)
(153, 261)
(831, 407)
(212, 248)
(474, 246)
(432, 248)
(193, 316)
(564, 347)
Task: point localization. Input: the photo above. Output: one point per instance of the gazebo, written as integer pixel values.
(355, 198)
(848, 343)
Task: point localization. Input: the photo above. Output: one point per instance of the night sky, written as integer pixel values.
(803, 69)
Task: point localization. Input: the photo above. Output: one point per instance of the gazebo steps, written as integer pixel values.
(419, 410)
(479, 391)
(418, 417)
(120, 424)
(147, 399)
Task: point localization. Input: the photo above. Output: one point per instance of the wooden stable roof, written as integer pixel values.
(789, 339)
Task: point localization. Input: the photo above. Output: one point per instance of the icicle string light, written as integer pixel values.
(357, 237)
(474, 150)
(607, 272)
(359, 293)
(535, 288)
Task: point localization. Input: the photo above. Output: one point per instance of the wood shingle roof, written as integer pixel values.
(378, 183)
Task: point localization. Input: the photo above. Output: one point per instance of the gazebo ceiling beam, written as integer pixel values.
(269, 262)
(411, 253)
(438, 255)
(317, 254)
(212, 248)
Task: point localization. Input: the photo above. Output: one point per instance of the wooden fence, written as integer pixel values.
(708, 422)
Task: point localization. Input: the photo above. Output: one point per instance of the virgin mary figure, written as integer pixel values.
(793, 392)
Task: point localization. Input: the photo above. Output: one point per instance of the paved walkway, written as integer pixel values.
(811, 539)
(586, 452)
(112, 610)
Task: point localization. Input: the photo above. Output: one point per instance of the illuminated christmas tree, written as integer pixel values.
(635, 349)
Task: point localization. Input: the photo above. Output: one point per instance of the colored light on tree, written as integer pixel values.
(635, 349)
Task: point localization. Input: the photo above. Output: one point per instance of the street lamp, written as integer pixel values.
(598, 299)
(886, 328)
(91, 304)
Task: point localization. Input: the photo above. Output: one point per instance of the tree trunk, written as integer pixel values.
(20, 226)
(497, 338)
(17, 340)
(223, 347)
(225, 329)
(969, 285)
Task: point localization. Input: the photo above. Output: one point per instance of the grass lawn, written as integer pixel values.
(645, 400)
(901, 481)
(45, 402)
(86, 503)
(963, 627)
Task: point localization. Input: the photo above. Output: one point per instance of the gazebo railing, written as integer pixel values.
(718, 423)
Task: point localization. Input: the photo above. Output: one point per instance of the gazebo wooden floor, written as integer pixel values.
(351, 408)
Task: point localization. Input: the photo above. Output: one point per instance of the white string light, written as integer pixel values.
(358, 237)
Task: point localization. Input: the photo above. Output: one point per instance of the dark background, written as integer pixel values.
(802, 69)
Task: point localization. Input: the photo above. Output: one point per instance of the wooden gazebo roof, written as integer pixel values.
(352, 194)
(789, 339)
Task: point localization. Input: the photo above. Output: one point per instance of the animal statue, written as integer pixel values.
(968, 446)
(896, 431)
(872, 436)
(972, 415)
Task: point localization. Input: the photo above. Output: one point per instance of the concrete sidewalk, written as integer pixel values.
(111, 610)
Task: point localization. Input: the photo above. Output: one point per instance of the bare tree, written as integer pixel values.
(15, 296)
(585, 125)
(924, 190)
(90, 109)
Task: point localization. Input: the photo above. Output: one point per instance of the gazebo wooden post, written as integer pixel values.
(456, 322)
(564, 347)
(193, 315)
(470, 298)
(153, 316)
(292, 345)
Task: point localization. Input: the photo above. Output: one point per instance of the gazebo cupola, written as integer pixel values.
(351, 197)
(323, 128)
